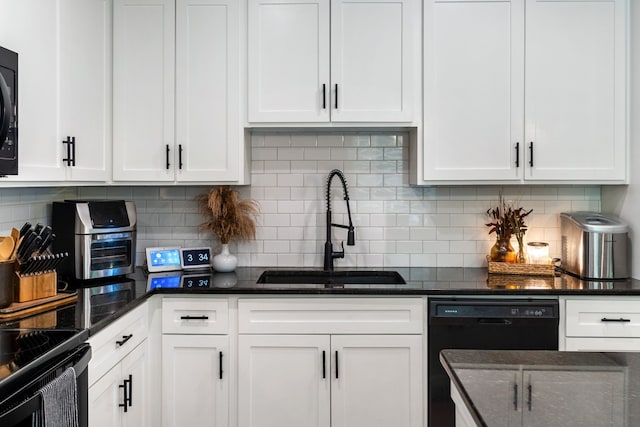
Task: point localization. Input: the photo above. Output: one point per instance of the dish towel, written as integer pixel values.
(59, 402)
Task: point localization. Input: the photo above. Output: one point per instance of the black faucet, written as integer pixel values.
(329, 253)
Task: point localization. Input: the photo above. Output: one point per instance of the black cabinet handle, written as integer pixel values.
(529, 387)
(606, 319)
(179, 156)
(130, 390)
(220, 364)
(70, 159)
(203, 317)
(336, 104)
(167, 153)
(517, 154)
(324, 96)
(125, 393)
(124, 339)
(324, 364)
(531, 154)
(73, 151)
(337, 364)
(515, 396)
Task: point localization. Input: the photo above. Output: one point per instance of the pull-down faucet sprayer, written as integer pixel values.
(329, 253)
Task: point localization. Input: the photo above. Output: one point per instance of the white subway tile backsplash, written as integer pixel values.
(396, 224)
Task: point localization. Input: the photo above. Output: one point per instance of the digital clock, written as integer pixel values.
(192, 258)
(197, 281)
(163, 259)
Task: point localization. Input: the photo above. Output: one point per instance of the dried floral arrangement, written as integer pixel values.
(228, 216)
(508, 221)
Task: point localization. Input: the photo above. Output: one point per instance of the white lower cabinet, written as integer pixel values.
(600, 324)
(322, 380)
(323, 377)
(533, 398)
(119, 392)
(196, 362)
(120, 397)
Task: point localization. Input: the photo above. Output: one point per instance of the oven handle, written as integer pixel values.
(80, 358)
(5, 110)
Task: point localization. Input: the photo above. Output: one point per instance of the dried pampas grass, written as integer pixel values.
(228, 217)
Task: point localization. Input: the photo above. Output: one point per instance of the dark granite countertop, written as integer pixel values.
(101, 302)
(550, 388)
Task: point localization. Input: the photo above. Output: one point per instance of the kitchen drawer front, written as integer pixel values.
(331, 316)
(602, 318)
(110, 345)
(602, 344)
(195, 316)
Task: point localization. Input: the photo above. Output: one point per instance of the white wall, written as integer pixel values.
(624, 201)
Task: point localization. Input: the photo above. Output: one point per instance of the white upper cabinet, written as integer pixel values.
(64, 54)
(176, 91)
(474, 90)
(523, 91)
(575, 90)
(320, 61)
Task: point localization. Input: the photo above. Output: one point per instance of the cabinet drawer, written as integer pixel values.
(110, 345)
(195, 316)
(331, 315)
(603, 318)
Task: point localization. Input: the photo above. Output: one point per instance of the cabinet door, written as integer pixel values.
(575, 90)
(143, 90)
(135, 368)
(283, 381)
(105, 398)
(85, 87)
(30, 27)
(575, 397)
(207, 90)
(373, 59)
(496, 394)
(473, 90)
(376, 380)
(288, 61)
(195, 380)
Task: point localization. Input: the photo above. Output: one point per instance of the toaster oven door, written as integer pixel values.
(106, 255)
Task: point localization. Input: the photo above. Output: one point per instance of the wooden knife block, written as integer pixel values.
(37, 286)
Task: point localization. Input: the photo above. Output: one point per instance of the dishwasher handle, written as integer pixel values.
(492, 321)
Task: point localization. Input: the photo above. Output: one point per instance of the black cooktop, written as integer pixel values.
(22, 349)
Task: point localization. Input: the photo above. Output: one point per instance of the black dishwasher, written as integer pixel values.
(483, 324)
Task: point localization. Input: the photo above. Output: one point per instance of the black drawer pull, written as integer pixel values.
(517, 154)
(531, 154)
(124, 388)
(337, 364)
(324, 96)
(606, 319)
(124, 339)
(324, 364)
(203, 317)
(515, 396)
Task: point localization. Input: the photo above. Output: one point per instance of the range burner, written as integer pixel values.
(19, 347)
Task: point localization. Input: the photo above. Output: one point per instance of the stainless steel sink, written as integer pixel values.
(348, 277)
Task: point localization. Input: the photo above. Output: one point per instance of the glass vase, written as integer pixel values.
(502, 251)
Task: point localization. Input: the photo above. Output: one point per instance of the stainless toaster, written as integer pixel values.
(594, 245)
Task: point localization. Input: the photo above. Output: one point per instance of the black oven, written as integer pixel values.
(40, 369)
(8, 112)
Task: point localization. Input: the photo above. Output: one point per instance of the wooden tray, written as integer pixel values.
(522, 269)
(18, 310)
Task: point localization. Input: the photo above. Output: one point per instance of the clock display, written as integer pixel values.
(201, 281)
(196, 257)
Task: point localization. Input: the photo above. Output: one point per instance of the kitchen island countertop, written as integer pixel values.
(496, 388)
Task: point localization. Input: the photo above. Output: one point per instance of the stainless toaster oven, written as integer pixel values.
(99, 235)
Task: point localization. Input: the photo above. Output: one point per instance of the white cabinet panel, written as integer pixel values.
(195, 380)
(575, 89)
(288, 60)
(282, 382)
(143, 90)
(474, 90)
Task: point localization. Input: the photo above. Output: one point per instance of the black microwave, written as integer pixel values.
(8, 112)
